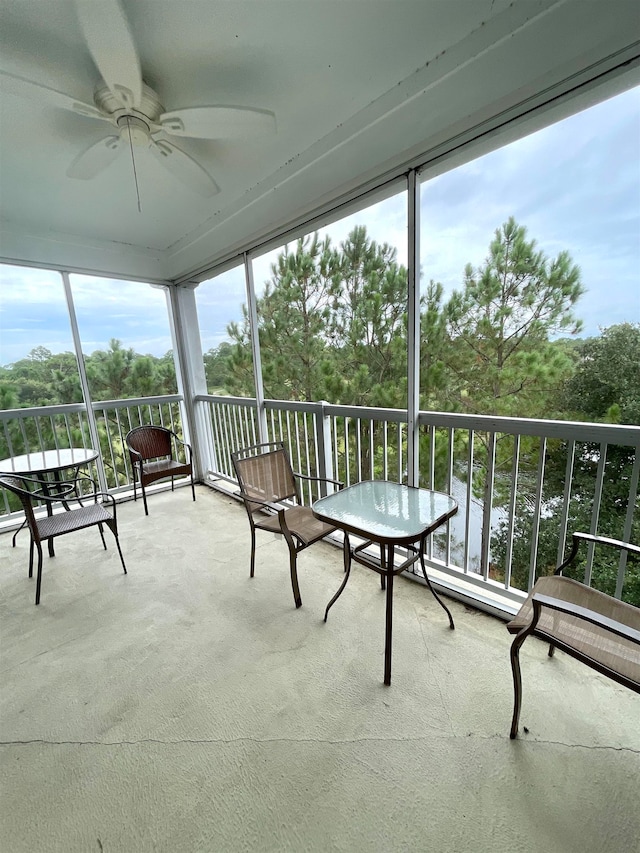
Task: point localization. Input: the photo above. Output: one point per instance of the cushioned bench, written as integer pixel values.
(589, 625)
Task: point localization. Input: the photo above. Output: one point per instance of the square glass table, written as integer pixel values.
(389, 515)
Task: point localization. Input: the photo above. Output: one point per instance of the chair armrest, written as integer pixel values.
(593, 616)
(578, 537)
(135, 455)
(265, 504)
(179, 440)
(52, 491)
(338, 483)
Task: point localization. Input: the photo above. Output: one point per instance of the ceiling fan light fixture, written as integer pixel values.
(135, 130)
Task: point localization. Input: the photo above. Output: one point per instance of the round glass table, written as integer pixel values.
(49, 462)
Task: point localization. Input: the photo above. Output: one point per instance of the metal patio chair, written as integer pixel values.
(155, 455)
(266, 480)
(92, 511)
(587, 624)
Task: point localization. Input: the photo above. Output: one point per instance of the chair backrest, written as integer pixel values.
(20, 487)
(264, 472)
(150, 441)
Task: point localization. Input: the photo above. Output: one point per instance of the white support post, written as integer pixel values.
(255, 348)
(413, 329)
(84, 383)
(190, 375)
(325, 456)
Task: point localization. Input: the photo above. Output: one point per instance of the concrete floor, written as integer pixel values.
(185, 707)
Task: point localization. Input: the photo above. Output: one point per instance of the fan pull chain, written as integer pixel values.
(135, 175)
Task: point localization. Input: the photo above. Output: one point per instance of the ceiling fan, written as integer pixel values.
(134, 109)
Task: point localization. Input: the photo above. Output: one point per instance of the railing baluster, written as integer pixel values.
(346, 452)
(372, 450)
(308, 455)
(566, 502)
(628, 522)
(385, 456)
(512, 512)
(595, 515)
(485, 555)
(449, 485)
(535, 530)
(467, 519)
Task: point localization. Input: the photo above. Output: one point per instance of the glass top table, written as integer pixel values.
(48, 461)
(389, 515)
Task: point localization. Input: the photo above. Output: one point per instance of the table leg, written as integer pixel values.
(346, 552)
(433, 592)
(389, 619)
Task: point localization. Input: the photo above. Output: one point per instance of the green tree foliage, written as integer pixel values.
(332, 325)
(47, 379)
(606, 383)
(216, 367)
(501, 359)
(605, 387)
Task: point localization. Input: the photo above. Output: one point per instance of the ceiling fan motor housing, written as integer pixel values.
(137, 121)
(134, 129)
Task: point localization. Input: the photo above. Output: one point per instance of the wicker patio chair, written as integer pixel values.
(266, 480)
(154, 454)
(92, 511)
(589, 625)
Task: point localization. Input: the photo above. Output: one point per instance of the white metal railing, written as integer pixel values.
(501, 471)
(497, 469)
(54, 427)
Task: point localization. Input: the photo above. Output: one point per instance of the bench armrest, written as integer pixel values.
(577, 538)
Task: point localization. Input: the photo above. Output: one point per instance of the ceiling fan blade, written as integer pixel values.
(111, 44)
(24, 88)
(184, 168)
(95, 158)
(218, 122)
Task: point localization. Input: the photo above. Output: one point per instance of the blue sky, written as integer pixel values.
(575, 185)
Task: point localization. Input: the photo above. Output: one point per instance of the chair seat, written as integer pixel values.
(593, 642)
(300, 521)
(164, 468)
(75, 519)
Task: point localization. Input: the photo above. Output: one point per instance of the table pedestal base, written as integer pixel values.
(387, 570)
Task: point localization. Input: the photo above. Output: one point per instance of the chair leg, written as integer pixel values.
(172, 489)
(13, 541)
(39, 576)
(144, 498)
(114, 529)
(193, 487)
(104, 544)
(253, 551)
(552, 649)
(31, 558)
(293, 558)
(517, 683)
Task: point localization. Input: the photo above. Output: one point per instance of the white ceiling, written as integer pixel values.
(358, 88)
